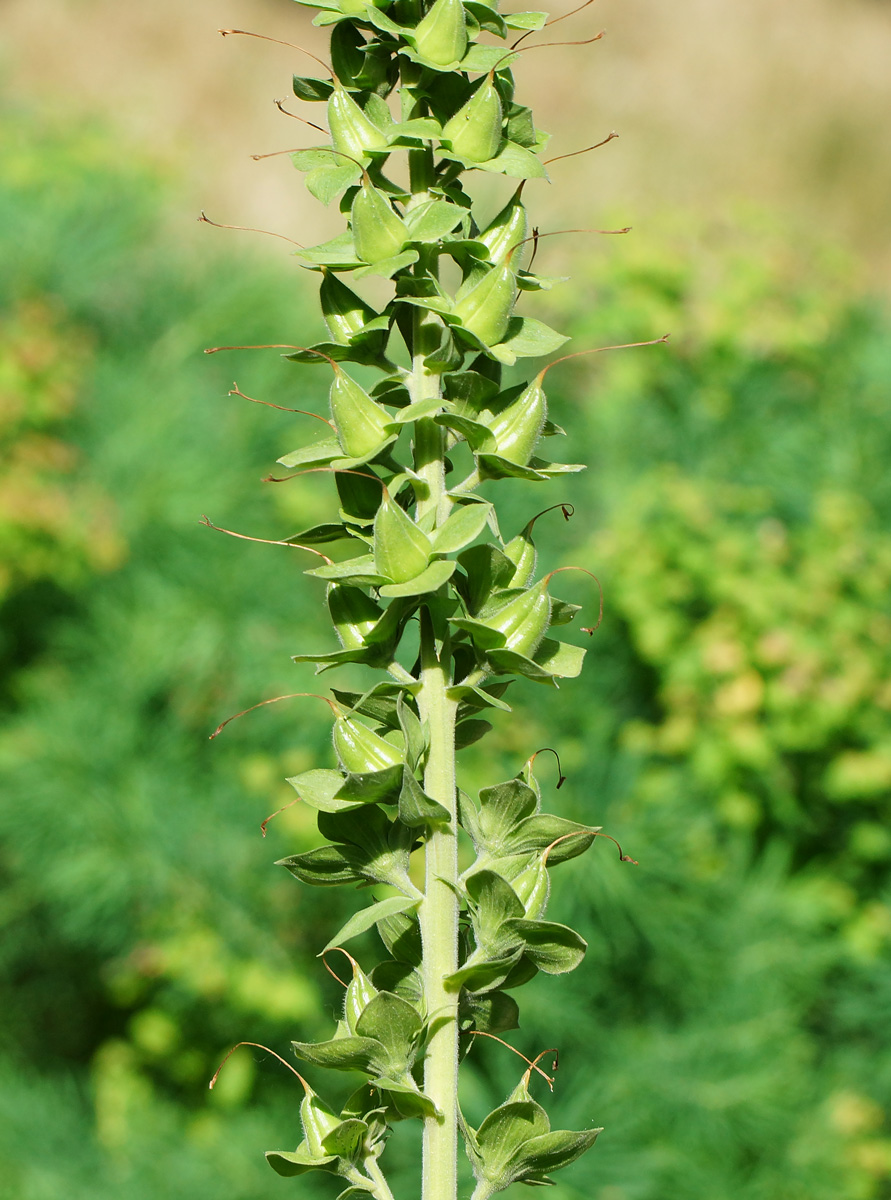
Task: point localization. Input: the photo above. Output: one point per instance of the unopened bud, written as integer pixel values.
(401, 550)
(361, 750)
(378, 232)
(442, 34)
(474, 132)
(351, 131)
(361, 422)
(485, 307)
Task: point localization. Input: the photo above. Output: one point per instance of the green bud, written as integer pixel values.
(361, 422)
(345, 313)
(522, 553)
(474, 132)
(524, 620)
(351, 131)
(506, 230)
(360, 749)
(318, 1121)
(360, 991)
(533, 886)
(442, 35)
(518, 426)
(485, 308)
(353, 613)
(401, 550)
(378, 232)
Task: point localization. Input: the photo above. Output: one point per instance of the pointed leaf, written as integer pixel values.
(362, 921)
(430, 580)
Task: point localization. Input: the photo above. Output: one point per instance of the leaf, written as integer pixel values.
(487, 569)
(502, 807)
(318, 454)
(483, 975)
(341, 1054)
(526, 20)
(361, 922)
(371, 787)
(408, 1100)
(516, 162)
(528, 338)
(464, 524)
(346, 1139)
(401, 935)
(338, 252)
(551, 1151)
(504, 1133)
(387, 267)
(319, 535)
(326, 867)
(319, 790)
(477, 697)
(401, 979)
(477, 435)
(494, 902)
(431, 221)
(416, 808)
(298, 1162)
(554, 949)
(327, 182)
(417, 129)
(306, 88)
(421, 408)
(429, 580)
(359, 571)
(535, 834)
(481, 57)
(412, 731)
(491, 1012)
(470, 731)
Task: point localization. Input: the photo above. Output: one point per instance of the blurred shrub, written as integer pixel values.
(732, 728)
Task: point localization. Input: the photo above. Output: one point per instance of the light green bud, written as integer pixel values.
(533, 886)
(353, 613)
(524, 620)
(378, 232)
(318, 1121)
(507, 229)
(360, 749)
(442, 35)
(474, 132)
(361, 422)
(401, 550)
(518, 426)
(359, 993)
(485, 308)
(352, 133)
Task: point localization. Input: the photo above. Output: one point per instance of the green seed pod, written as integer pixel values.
(442, 35)
(507, 229)
(360, 991)
(360, 749)
(345, 313)
(351, 131)
(524, 620)
(318, 1121)
(485, 308)
(353, 613)
(401, 550)
(533, 886)
(474, 132)
(522, 553)
(378, 232)
(518, 426)
(361, 422)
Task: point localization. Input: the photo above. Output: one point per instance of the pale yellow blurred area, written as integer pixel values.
(778, 104)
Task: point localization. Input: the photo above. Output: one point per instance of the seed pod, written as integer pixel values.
(378, 232)
(518, 426)
(353, 613)
(507, 229)
(442, 35)
(485, 308)
(360, 749)
(522, 553)
(533, 886)
(475, 130)
(360, 991)
(318, 1121)
(524, 620)
(345, 313)
(351, 131)
(361, 422)
(401, 550)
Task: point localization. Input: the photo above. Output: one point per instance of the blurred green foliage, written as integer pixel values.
(729, 1027)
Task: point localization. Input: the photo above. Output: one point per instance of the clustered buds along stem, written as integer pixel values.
(417, 101)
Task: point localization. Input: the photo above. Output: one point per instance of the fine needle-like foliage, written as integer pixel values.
(430, 592)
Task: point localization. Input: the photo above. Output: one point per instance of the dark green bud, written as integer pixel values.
(518, 426)
(442, 35)
(351, 131)
(524, 620)
(378, 232)
(474, 132)
(401, 550)
(353, 613)
(345, 313)
(485, 308)
(360, 749)
(361, 422)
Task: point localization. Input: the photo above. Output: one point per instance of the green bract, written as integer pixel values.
(418, 93)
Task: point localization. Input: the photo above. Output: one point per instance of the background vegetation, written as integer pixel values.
(729, 1026)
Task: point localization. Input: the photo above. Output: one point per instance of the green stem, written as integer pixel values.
(439, 926)
(382, 1188)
